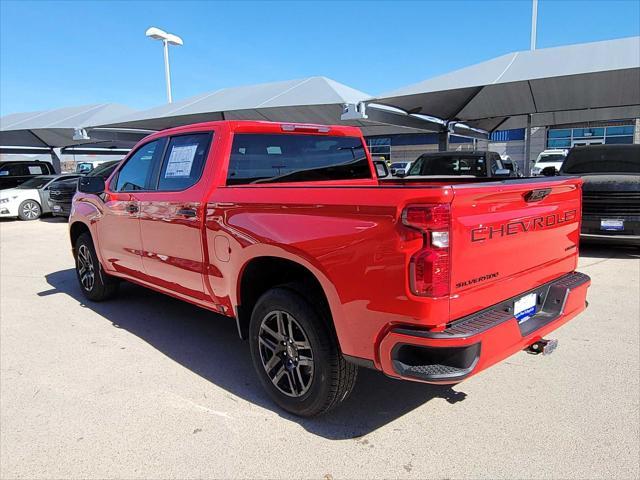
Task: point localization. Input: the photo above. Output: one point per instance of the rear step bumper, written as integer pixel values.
(473, 343)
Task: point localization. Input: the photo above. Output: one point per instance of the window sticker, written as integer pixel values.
(35, 170)
(180, 161)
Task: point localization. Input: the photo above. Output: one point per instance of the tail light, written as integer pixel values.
(429, 268)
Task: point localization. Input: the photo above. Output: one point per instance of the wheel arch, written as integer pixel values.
(76, 229)
(262, 273)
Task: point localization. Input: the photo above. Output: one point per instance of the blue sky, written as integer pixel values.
(55, 54)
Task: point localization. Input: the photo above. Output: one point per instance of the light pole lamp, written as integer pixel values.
(167, 39)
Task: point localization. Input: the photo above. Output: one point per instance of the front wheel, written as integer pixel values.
(29, 210)
(95, 284)
(296, 355)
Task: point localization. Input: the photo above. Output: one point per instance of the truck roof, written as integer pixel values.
(255, 126)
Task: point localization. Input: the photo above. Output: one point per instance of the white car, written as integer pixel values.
(28, 201)
(549, 158)
(400, 169)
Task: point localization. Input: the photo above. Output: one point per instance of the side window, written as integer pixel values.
(35, 169)
(13, 170)
(137, 173)
(184, 161)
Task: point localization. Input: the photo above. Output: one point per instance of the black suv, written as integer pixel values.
(60, 197)
(14, 173)
(459, 163)
(611, 191)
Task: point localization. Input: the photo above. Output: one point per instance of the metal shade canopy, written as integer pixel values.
(591, 76)
(65, 127)
(307, 100)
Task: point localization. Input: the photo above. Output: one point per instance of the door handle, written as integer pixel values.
(132, 208)
(187, 212)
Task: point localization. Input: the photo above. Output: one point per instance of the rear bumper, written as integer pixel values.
(629, 235)
(611, 238)
(474, 343)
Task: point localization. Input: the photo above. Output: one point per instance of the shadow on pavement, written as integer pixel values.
(53, 219)
(599, 250)
(208, 345)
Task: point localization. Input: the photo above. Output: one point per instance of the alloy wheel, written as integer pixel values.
(286, 353)
(30, 210)
(86, 271)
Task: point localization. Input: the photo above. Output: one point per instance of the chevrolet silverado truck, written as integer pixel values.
(324, 266)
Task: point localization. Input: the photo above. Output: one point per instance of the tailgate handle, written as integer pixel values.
(537, 194)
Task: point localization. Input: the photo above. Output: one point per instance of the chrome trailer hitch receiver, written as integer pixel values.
(543, 346)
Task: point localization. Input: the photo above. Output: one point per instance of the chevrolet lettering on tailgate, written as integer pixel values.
(481, 233)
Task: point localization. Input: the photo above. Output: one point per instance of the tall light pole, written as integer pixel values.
(534, 24)
(167, 39)
(527, 143)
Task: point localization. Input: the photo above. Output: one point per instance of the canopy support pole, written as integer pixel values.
(527, 147)
(443, 141)
(55, 159)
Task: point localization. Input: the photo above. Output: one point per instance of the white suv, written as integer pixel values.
(549, 158)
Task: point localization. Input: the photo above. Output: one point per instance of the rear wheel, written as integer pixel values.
(296, 354)
(95, 284)
(29, 210)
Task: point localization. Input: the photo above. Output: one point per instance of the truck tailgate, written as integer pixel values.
(510, 238)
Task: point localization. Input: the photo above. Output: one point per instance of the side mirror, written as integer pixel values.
(93, 185)
(549, 172)
(381, 168)
(401, 173)
(502, 172)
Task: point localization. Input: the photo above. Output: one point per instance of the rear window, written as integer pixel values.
(622, 159)
(444, 165)
(271, 158)
(398, 165)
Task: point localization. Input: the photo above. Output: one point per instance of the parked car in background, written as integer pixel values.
(60, 197)
(549, 158)
(511, 165)
(87, 167)
(29, 200)
(400, 169)
(286, 229)
(610, 193)
(13, 173)
(459, 164)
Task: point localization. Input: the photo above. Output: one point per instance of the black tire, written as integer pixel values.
(95, 284)
(29, 210)
(320, 387)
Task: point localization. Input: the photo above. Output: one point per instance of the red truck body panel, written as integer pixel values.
(349, 234)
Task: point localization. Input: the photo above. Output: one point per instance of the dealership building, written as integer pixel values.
(407, 147)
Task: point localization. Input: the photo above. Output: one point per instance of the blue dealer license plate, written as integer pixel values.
(525, 307)
(611, 224)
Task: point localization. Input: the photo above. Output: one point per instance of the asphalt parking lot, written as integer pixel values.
(146, 386)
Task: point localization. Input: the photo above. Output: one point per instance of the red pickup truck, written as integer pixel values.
(287, 229)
